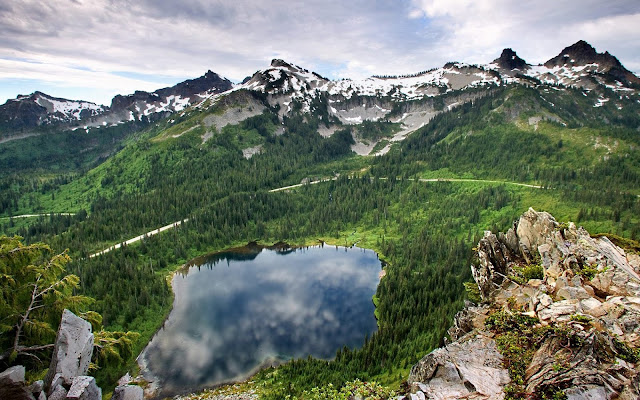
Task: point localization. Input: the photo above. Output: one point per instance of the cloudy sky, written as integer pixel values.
(94, 49)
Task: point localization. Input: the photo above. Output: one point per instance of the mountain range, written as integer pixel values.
(138, 188)
(349, 101)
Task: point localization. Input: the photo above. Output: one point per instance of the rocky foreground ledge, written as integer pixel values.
(558, 317)
(67, 377)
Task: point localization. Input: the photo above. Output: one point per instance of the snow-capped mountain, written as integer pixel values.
(168, 100)
(414, 99)
(578, 65)
(38, 109)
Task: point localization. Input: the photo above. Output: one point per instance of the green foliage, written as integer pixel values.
(355, 389)
(580, 318)
(34, 290)
(376, 130)
(473, 292)
(518, 337)
(625, 351)
(527, 272)
(589, 271)
(424, 229)
(33, 293)
(64, 151)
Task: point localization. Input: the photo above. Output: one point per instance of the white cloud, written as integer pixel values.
(474, 30)
(356, 38)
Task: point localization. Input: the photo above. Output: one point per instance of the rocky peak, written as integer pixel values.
(559, 315)
(173, 98)
(509, 60)
(582, 53)
(277, 62)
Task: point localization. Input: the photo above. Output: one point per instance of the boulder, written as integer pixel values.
(559, 311)
(37, 387)
(58, 393)
(590, 392)
(14, 374)
(533, 228)
(84, 388)
(572, 293)
(128, 392)
(471, 367)
(72, 351)
(12, 384)
(583, 361)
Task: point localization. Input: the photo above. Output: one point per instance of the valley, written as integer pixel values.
(415, 168)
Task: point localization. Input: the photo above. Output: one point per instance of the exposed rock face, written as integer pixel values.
(582, 53)
(73, 349)
(84, 388)
(509, 60)
(12, 384)
(586, 304)
(26, 113)
(128, 392)
(471, 366)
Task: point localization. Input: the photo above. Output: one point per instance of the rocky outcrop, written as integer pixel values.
(128, 392)
(509, 61)
(470, 366)
(84, 388)
(12, 384)
(66, 378)
(579, 298)
(73, 349)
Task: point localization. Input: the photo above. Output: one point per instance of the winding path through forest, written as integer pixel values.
(178, 223)
(140, 237)
(35, 215)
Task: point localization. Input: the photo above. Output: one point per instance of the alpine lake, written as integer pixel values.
(243, 309)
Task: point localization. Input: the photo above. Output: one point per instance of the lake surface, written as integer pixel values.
(237, 311)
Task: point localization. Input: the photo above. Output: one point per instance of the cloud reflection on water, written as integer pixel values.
(232, 315)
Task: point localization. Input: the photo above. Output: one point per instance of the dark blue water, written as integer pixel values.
(238, 311)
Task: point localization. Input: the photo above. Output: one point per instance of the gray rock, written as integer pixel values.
(558, 311)
(37, 386)
(494, 257)
(73, 349)
(124, 380)
(58, 393)
(586, 393)
(84, 388)
(128, 392)
(14, 374)
(586, 366)
(12, 384)
(533, 228)
(14, 390)
(460, 369)
(57, 380)
(572, 293)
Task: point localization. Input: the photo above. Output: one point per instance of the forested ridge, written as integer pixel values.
(590, 168)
